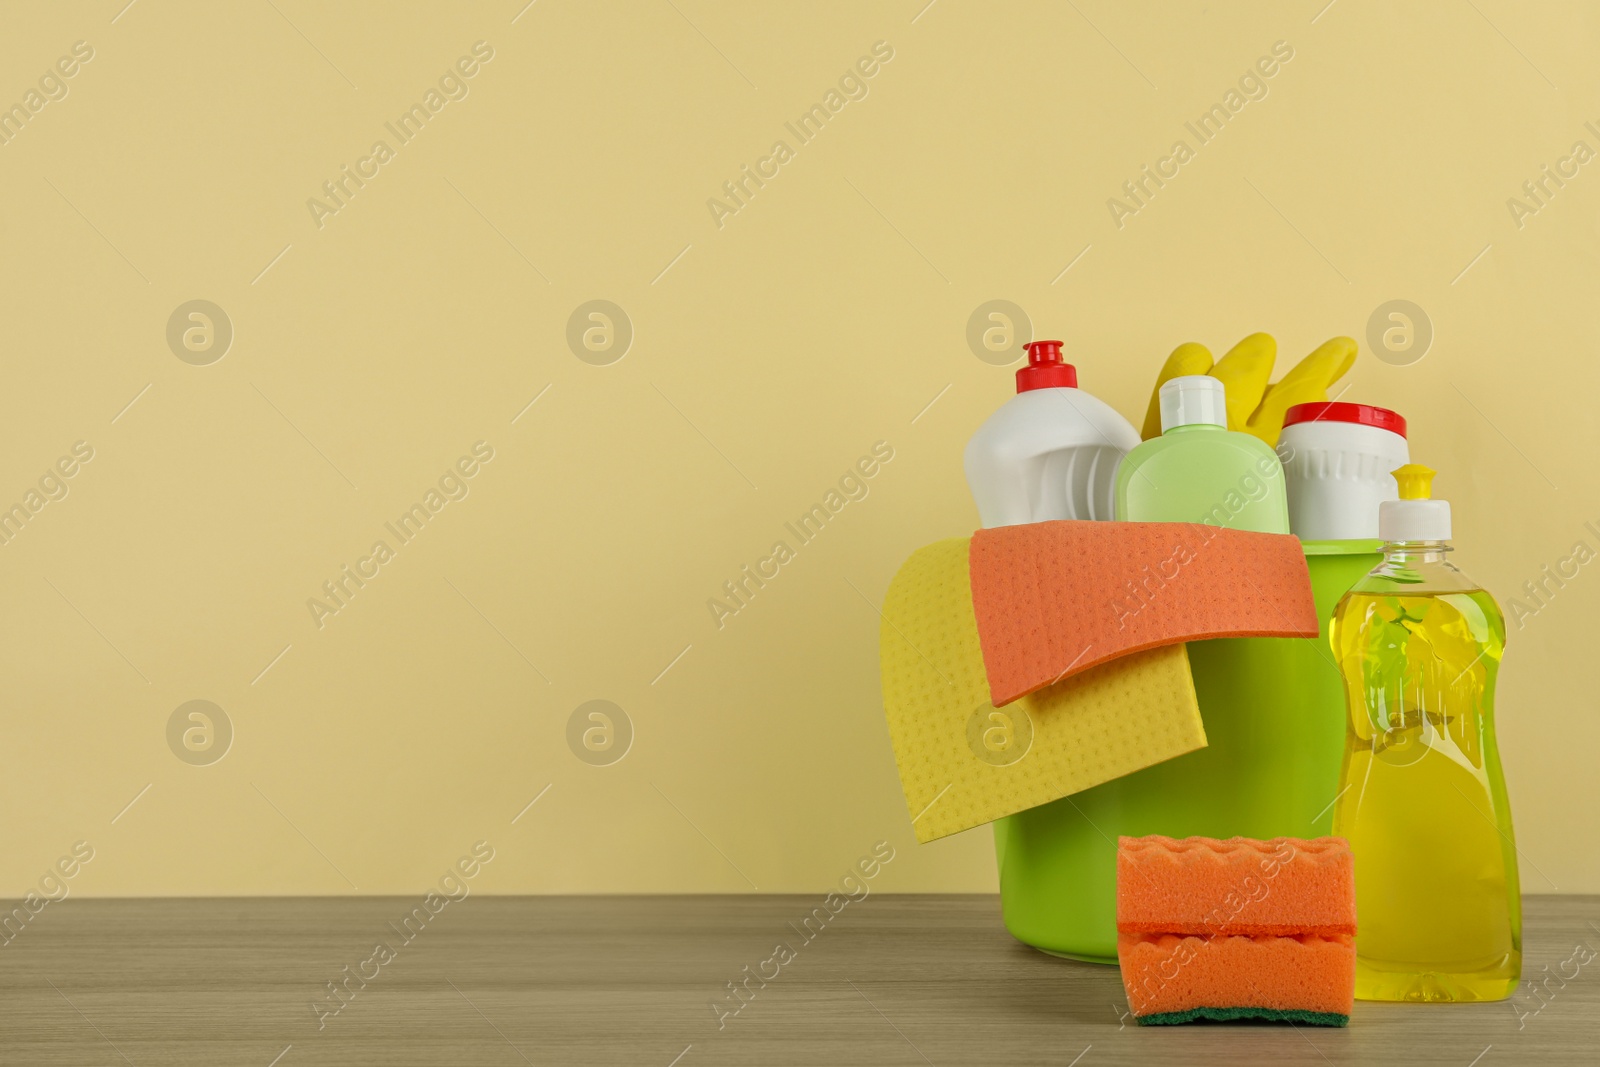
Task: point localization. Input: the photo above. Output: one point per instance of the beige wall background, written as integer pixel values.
(771, 347)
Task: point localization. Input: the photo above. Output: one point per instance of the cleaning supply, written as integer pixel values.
(1423, 798)
(1200, 471)
(1254, 406)
(1337, 459)
(964, 762)
(1306, 382)
(1050, 452)
(970, 626)
(1236, 929)
(1264, 771)
(1053, 598)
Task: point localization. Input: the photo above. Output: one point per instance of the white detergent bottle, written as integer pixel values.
(1050, 452)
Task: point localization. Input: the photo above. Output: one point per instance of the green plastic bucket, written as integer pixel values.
(1275, 724)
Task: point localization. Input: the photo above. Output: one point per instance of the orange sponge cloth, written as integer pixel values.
(1055, 598)
(1237, 928)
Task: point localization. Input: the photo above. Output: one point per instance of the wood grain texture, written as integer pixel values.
(632, 980)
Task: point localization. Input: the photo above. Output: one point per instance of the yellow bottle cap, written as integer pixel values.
(1415, 481)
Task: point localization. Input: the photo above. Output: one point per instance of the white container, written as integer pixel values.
(1338, 462)
(1050, 452)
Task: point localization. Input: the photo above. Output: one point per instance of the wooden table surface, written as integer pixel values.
(633, 980)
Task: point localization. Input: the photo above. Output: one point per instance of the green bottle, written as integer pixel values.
(1199, 471)
(1263, 773)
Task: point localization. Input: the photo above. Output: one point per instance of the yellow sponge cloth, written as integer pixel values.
(963, 762)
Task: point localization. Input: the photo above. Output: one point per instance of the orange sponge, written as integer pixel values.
(1056, 598)
(1237, 929)
(1239, 886)
(1179, 979)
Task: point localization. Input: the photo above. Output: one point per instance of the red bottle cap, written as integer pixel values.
(1334, 411)
(1045, 369)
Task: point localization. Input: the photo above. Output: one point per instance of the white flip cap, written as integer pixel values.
(1193, 400)
(1414, 520)
(1416, 516)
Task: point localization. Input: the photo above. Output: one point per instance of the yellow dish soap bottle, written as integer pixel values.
(1422, 797)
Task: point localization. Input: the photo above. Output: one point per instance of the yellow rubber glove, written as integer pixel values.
(1245, 372)
(1254, 406)
(1306, 383)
